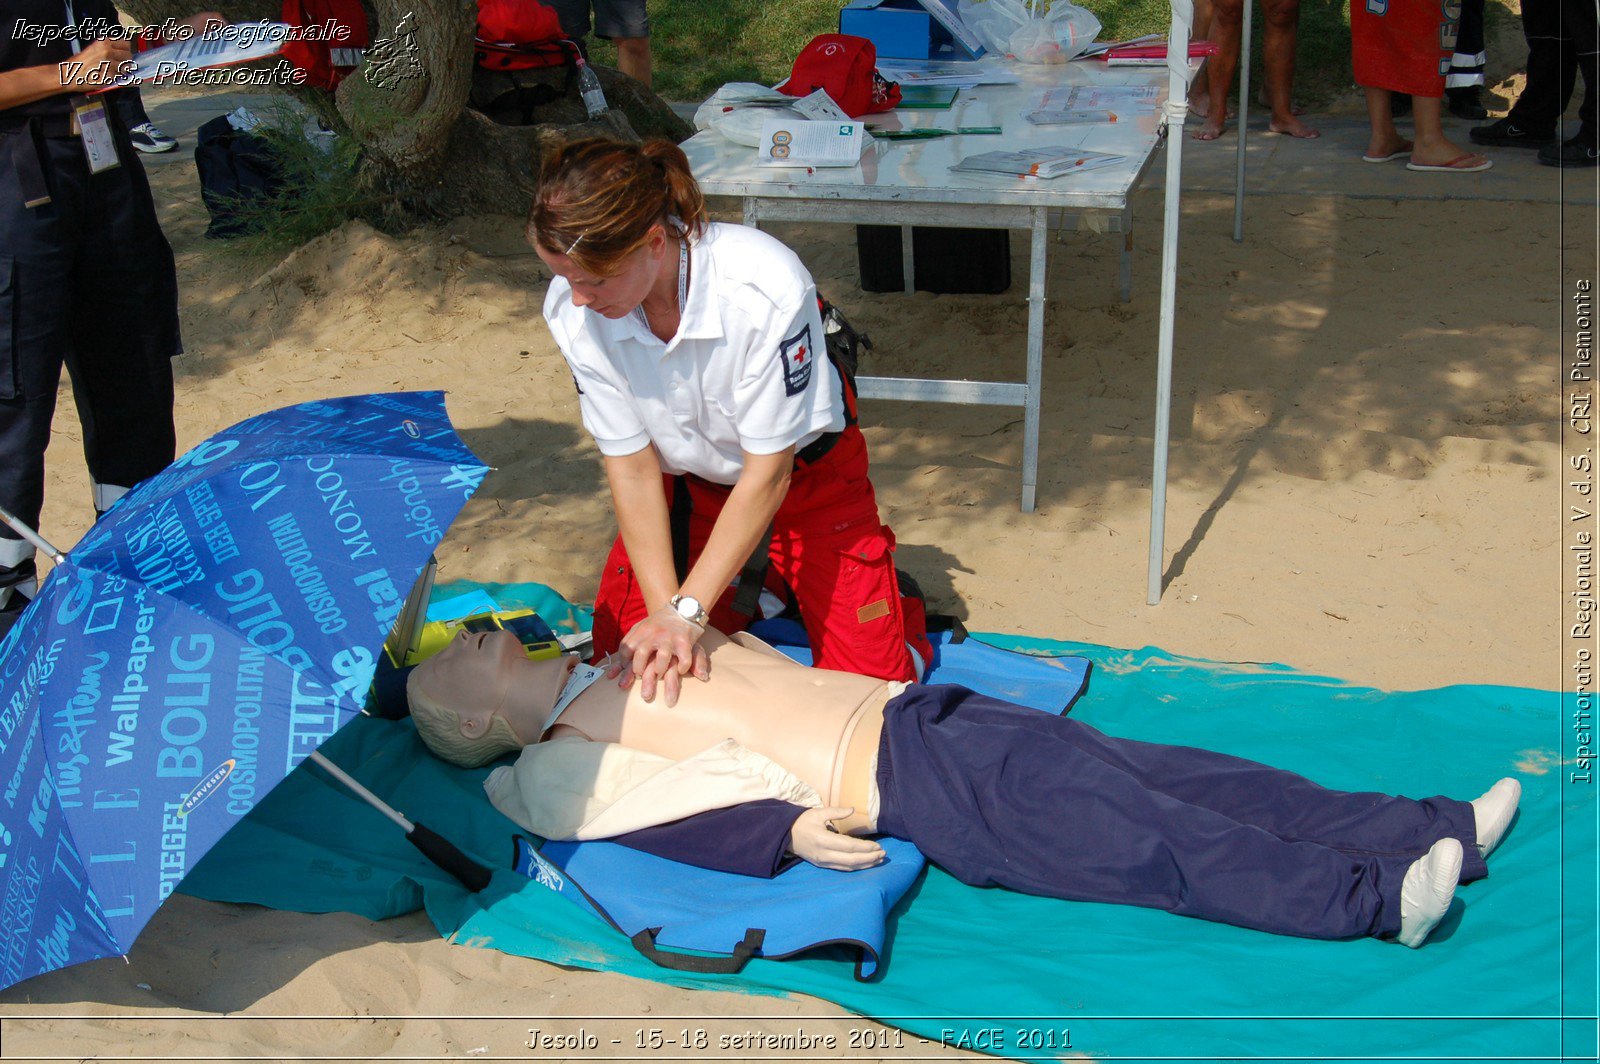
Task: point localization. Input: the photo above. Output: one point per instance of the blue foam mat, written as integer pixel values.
(1510, 975)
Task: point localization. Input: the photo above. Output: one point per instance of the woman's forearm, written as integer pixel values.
(642, 517)
(744, 522)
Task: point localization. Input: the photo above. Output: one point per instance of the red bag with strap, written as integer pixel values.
(329, 38)
(520, 35)
(846, 68)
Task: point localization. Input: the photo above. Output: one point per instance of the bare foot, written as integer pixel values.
(1294, 108)
(1445, 152)
(1201, 105)
(1210, 129)
(1382, 151)
(1294, 128)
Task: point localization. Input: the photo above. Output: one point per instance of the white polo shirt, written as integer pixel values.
(747, 370)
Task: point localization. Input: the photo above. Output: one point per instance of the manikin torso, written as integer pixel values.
(803, 719)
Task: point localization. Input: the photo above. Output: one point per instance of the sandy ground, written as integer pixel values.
(1366, 471)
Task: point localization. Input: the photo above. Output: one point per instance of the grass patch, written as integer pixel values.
(318, 193)
(701, 44)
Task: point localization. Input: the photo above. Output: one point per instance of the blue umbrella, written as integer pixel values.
(199, 643)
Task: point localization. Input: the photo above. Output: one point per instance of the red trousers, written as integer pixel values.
(1403, 45)
(828, 547)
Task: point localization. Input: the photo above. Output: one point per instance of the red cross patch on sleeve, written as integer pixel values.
(795, 354)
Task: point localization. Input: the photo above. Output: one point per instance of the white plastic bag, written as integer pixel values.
(1034, 31)
(738, 108)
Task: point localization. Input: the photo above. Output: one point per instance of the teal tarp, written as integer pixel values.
(1516, 955)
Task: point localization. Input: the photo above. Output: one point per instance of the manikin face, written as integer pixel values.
(483, 674)
(615, 296)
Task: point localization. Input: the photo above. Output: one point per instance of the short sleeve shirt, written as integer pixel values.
(746, 372)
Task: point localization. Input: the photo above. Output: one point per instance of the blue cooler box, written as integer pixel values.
(898, 29)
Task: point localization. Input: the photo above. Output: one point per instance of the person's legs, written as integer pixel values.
(1384, 142)
(1465, 79)
(1583, 149)
(633, 58)
(837, 556)
(626, 23)
(1433, 148)
(1225, 29)
(124, 336)
(1288, 805)
(1283, 23)
(1001, 795)
(1552, 71)
(38, 246)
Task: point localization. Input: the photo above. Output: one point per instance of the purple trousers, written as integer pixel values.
(1000, 795)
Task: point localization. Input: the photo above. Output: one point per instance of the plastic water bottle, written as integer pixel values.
(594, 98)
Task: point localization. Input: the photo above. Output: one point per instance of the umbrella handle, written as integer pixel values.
(436, 848)
(442, 852)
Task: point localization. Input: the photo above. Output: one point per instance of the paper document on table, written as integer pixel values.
(794, 142)
(236, 43)
(1042, 163)
(819, 107)
(1069, 118)
(916, 72)
(1124, 99)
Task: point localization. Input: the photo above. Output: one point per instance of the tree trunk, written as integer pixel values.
(423, 148)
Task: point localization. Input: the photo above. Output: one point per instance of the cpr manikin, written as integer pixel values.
(767, 760)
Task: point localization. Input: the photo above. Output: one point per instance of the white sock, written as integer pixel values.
(1492, 812)
(1426, 891)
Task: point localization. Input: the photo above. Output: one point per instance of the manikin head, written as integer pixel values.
(480, 697)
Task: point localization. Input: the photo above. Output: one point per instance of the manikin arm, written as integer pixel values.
(757, 839)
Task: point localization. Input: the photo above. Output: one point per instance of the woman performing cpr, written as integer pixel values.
(698, 352)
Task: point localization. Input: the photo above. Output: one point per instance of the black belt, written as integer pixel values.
(29, 156)
(817, 449)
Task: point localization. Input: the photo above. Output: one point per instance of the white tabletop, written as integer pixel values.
(918, 171)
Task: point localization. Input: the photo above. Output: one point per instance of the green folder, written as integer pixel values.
(927, 97)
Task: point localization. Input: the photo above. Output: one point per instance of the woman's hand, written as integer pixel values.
(664, 648)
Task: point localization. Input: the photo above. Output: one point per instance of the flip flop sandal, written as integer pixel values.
(1453, 166)
(1399, 153)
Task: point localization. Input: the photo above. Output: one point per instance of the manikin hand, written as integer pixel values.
(663, 647)
(813, 839)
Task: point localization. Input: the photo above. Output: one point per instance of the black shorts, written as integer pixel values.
(612, 18)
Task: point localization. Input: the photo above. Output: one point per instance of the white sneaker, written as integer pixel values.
(148, 138)
(1492, 812)
(1426, 891)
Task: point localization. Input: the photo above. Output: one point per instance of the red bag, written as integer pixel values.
(520, 35)
(846, 68)
(328, 40)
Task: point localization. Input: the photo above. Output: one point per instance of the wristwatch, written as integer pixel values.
(688, 607)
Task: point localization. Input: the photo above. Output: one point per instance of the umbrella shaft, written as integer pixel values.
(30, 535)
(365, 795)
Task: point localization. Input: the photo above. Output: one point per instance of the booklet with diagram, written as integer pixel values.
(807, 142)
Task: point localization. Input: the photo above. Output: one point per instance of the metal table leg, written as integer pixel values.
(908, 261)
(1030, 407)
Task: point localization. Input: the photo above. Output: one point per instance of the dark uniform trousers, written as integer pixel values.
(1561, 42)
(86, 280)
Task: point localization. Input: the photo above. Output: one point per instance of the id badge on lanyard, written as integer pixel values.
(90, 120)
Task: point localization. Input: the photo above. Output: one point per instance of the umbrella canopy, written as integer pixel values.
(200, 642)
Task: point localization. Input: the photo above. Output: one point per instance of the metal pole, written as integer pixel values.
(1177, 108)
(1244, 115)
(361, 792)
(1038, 261)
(31, 536)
